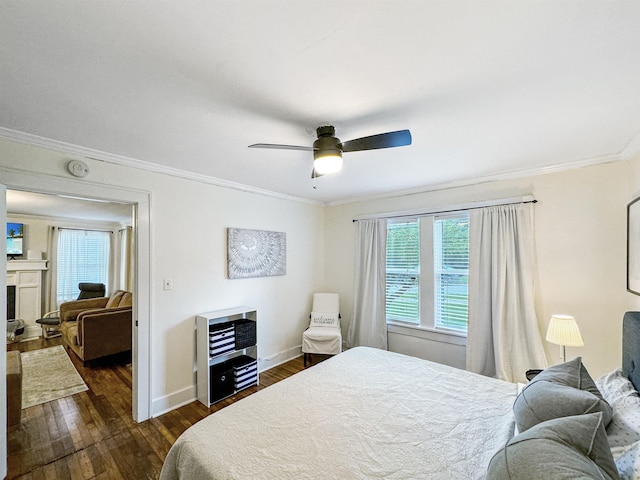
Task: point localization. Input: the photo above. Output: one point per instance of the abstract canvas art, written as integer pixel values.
(256, 253)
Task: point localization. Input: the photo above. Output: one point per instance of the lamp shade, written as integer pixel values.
(563, 330)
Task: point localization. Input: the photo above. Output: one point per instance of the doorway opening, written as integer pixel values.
(138, 202)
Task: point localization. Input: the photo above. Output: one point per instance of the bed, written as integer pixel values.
(368, 413)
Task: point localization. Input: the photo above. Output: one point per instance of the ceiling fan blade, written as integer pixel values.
(281, 147)
(382, 140)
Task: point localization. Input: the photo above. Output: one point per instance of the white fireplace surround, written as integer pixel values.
(26, 275)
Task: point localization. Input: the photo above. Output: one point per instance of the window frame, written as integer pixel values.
(65, 294)
(426, 283)
(465, 272)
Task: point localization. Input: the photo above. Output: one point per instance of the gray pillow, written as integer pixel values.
(572, 374)
(563, 448)
(559, 391)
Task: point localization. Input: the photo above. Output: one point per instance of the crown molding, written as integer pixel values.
(513, 175)
(89, 153)
(632, 149)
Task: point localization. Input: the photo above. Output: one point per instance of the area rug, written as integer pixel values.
(48, 374)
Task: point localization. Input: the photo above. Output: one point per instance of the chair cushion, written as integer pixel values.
(91, 290)
(322, 340)
(49, 321)
(322, 333)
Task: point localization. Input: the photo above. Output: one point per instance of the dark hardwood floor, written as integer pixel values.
(91, 435)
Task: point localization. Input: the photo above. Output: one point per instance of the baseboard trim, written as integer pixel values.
(279, 358)
(165, 404)
(162, 405)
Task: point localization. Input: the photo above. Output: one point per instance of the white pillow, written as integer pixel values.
(623, 432)
(319, 319)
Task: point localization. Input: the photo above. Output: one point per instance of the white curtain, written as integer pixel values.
(52, 271)
(124, 259)
(503, 338)
(368, 325)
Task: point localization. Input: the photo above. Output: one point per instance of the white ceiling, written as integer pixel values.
(29, 203)
(486, 87)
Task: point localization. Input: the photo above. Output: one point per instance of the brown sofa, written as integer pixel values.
(97, 327)
(14, 388)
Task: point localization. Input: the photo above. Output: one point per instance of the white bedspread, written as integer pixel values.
(365, 413)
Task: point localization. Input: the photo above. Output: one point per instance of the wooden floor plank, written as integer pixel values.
(92, 436)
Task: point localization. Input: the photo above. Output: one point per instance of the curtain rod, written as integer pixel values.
(440, 210)
(83, 229)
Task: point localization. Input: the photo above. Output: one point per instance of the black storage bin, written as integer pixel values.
(221, 381)
(221, 339)
(245, 331)
(245, 371)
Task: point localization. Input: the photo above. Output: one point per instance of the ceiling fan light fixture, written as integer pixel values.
(328, 149)
(326, 163)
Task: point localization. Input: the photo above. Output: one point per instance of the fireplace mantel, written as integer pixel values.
(26, 276)
(26, 265)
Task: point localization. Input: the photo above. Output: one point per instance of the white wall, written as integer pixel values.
(187, 229)
(580, 225)
(36, 229)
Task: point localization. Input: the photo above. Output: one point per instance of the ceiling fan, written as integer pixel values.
(327, 149)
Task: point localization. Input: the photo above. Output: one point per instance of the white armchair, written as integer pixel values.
(323, 336)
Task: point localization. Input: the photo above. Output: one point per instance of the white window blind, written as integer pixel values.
(403, 271)
(428, 271)
(83, 256)
(451, 271)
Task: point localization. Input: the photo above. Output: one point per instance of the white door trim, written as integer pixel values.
(141, 354)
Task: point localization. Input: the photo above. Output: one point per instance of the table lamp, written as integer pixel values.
(563, 330)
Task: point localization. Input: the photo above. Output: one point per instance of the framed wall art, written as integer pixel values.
(633, 246)
(256, 253)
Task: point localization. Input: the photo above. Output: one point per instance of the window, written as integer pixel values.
(451, 272)
(83, 256)
(428, 271)
(403, 271)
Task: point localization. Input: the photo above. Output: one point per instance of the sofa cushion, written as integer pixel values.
(70, 333)
(127, 300)
(115, 298)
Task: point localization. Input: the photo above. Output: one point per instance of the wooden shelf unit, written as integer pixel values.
(210, 365)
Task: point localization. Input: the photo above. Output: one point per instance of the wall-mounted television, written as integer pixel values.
(15, 236)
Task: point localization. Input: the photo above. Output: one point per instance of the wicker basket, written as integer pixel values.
(245, 333)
